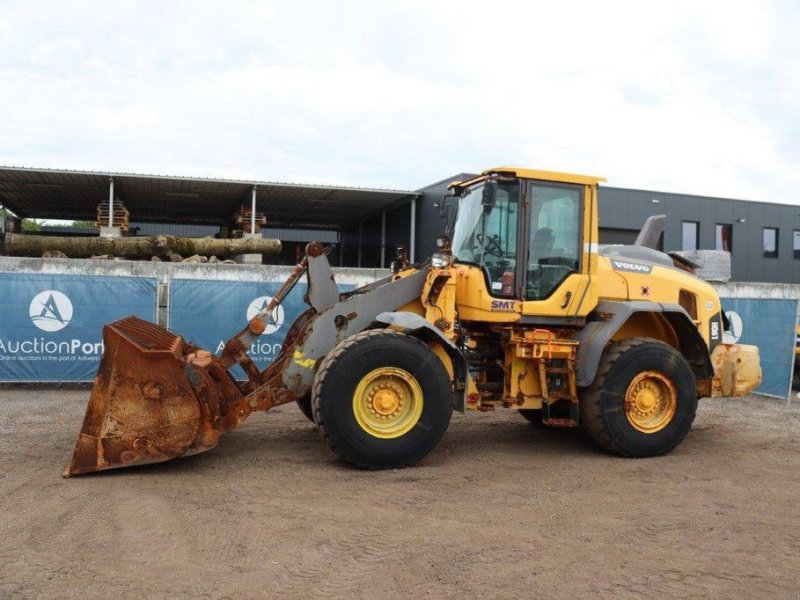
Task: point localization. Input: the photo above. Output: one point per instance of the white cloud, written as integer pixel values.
(680, 96)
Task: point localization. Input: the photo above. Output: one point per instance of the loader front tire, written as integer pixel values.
(642, 401)
(382, 399)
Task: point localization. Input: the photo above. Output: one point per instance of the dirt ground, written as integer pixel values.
(500, 509)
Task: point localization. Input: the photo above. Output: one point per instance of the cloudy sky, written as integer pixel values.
(700, 97)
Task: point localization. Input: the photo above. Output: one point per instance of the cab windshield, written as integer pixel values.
(487, 235)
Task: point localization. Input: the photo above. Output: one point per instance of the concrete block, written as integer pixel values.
(715, 265)
(110, 232)
(248, 259)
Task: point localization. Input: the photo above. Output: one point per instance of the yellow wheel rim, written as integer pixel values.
(387, 402)
(651, 401)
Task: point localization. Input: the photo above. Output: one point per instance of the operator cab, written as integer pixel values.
(524, 234)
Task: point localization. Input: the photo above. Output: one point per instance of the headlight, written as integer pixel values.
(440, 261)
(443, 243)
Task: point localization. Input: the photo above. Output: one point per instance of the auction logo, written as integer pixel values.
(275, 318)
(50, 310)
(735, 331)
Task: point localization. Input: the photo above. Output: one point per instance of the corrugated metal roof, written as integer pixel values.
(65, 194)
(174, 229)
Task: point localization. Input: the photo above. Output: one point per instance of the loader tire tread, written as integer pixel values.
(592, 422)
(591, 418)
(319, 383)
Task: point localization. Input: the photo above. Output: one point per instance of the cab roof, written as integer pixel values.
(526, 173)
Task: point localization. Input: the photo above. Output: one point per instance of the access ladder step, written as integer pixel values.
(560, 414)
(560, 422)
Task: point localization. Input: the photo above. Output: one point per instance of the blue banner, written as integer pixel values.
(770, 325)
(207, 313)
(52, 326)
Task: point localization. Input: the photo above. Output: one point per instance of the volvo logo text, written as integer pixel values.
(624, 265)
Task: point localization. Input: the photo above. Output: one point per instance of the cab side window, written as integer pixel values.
(555, 236)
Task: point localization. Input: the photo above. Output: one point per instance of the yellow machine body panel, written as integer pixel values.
(576, 297)
(737, 369)
(475, 303)
(625, 279)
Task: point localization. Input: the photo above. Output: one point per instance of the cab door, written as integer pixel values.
(556, 264)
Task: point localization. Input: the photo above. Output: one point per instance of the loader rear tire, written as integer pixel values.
(304, 404)
(382, 399)
(642, 401)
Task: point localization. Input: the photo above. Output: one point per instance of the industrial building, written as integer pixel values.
(763, 238)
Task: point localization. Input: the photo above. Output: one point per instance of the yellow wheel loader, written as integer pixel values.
(519, 308)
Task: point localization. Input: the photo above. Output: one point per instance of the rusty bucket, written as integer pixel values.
(144, 407)
(156, 397)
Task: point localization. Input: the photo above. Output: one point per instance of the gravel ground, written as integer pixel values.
(500, 509)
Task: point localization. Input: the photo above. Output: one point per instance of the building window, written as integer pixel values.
(724, 237)
(770, 242)
(690, 232)
(796, 243)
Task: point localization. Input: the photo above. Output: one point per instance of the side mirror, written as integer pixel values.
(489, 195)
(450, 214)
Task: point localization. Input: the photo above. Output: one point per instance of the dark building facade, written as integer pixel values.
(763, 238)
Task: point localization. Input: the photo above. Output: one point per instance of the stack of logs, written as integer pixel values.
(155, 247)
